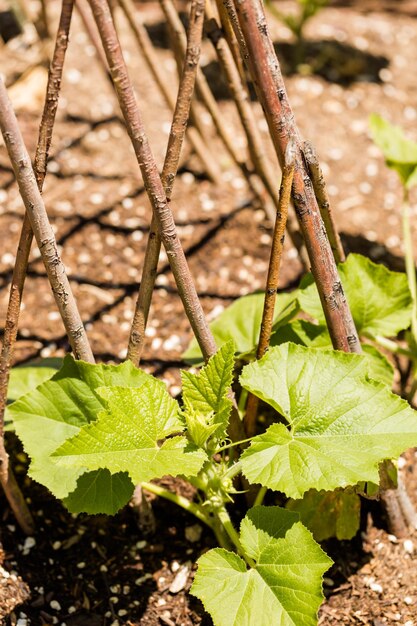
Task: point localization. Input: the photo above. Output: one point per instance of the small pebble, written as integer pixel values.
(408, 546)
(376, 587)
(54, 604)
(193, 533)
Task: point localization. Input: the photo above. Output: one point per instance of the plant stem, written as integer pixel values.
(273, 276)
(265, 70)
(233, 471)
(232, 445)
(393, 347)
(260, 496)
(319, 185)
(224, 518)
(412, 283)
(242, 402)
(153, 63)
(184, 503)
(169, 171)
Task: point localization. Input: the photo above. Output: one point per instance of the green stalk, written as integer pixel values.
(260, 496)
(393, 347)
(184, 503)
(232, 445)
(412, 283)
(409, 262)
(233, 471)
(224, 518)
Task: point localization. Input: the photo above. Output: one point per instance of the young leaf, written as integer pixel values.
(400, 153)
(379, 299)
(205, 395)
(341, 424)
(100, 492)
(241, 323)
(329, 513)
(25, 378)
(284, 586)
(56, 410)
(126, 436)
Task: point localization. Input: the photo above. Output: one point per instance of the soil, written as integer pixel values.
(98, 570)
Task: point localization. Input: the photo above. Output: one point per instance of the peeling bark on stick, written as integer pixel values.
(265, 70)
(169, 171)
(319, 186)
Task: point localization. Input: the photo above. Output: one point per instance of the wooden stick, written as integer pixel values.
(257, 151)
(176, 137)
(151, 177)
(273, 276)
(198, 141)
(42, 229)
(319, 186)
(202, 88)
(8, 481)
(265, 71)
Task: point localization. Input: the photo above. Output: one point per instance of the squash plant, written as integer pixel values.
(110, 427)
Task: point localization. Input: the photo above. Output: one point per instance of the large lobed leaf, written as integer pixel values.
(25, 378)
(283, 588)
(241, 323)
(305, 333)
(57, 409)
(341, 424)
(379, 299)
(126, 436)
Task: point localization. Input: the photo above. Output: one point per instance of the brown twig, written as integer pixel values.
(265, 70)
(42, 229)
(151, 177)
(202, 88)
(272, 277)
(231, 41)
(91, 30)
(10, 487)
(257, 151)
(198, 141)
(176, 137)
(319, 185)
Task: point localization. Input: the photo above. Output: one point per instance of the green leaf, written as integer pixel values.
(379, 368)
(302, 333)
(284, 586)
(400, 153)
(25, 378)
(56, 410)
(329, 513)
(126, 436)
(100, 492)
(241, 323)
(341, 423)
(379, 299)
(205, 395)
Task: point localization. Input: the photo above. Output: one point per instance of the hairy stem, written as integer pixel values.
(272, 280)
(169, 171)
(184, 503)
